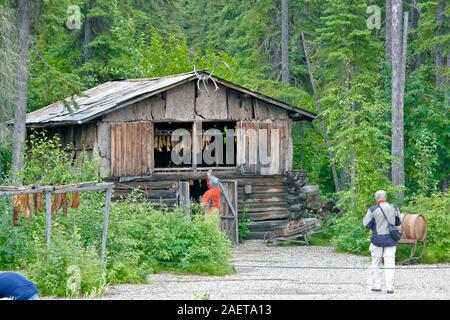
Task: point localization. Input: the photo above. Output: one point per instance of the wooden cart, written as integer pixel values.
(294, 231)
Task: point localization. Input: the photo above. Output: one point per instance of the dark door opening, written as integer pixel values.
(196, 189)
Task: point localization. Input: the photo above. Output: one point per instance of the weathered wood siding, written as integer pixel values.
(75, 139)
(264, 147)
(186, 103)
(132, 148)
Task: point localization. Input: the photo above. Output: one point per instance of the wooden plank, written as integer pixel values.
(264, 189)
(132, 148)
(105, 225)
(268, 215)
(158, 108)
(180, 102)
(289, 147)
(260, 109)
(263, 209)
(238, 108)
(212, 105)
(276, 113)
(48, 218)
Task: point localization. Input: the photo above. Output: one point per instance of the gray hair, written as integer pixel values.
(380, 195)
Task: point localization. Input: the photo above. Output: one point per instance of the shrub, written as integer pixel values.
(141, 239)
(436, 210)
(46, 163)
(349, 235)
(244, 221)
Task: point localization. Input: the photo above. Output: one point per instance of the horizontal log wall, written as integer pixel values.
(158, 192)
(267, 200)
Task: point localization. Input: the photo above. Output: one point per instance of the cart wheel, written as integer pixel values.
(270, 238)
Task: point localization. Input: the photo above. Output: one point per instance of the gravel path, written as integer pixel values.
(268, 273)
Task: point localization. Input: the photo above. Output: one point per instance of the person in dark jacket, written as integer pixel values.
(16, 287)
(382, 246)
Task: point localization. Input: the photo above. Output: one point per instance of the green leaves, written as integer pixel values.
(47, 163)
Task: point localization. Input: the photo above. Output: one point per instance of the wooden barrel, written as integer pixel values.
(414, 226)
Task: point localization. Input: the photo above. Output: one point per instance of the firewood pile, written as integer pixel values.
(303, 198)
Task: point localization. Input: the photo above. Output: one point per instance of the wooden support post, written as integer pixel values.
(48, 218)
(105, 223)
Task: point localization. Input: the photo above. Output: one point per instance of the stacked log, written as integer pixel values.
(270, 209)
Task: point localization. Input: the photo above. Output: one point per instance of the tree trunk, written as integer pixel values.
(285, 41)
(439, 54)
(87, 33)
(388, 28)
(322, 120)
(398, 83)
(447, 83)
(22, 90)
(415, 17)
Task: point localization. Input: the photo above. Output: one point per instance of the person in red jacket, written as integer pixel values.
(211, 198)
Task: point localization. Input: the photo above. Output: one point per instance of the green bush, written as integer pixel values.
(244, 221)
(141, 239)
(46, 163)
(436, 210)
(349, 235)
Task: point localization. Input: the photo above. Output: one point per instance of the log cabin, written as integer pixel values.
(130, 126)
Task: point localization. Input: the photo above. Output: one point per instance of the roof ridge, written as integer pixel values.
(159, 78)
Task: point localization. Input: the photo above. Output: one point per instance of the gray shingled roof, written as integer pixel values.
(113, 95)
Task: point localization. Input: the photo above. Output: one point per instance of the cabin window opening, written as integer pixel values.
(220, 153)
(169, 139)
(197, 189)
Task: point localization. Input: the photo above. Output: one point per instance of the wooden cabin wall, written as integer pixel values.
(186, 103)
(75, 139)
(268, 201)
(252, 149)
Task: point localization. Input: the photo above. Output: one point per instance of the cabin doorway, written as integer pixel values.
(196, 189)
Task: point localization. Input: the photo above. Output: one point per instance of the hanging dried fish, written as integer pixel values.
(20, 205)
(160, 143)
(38, 201)
(30, 205)
(16, 211)
(64, 203)
(57, 201)
(75, 201)
(169, 143)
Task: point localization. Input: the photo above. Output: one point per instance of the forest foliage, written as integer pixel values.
(134, 39)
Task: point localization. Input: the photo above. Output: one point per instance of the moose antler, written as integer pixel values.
(205, 78)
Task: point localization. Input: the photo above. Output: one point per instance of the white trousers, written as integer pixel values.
(378, 255)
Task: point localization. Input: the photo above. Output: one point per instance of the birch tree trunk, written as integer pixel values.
(21, 89)
(322, 120)
(285, 41)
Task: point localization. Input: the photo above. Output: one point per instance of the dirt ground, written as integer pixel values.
(291, 272)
